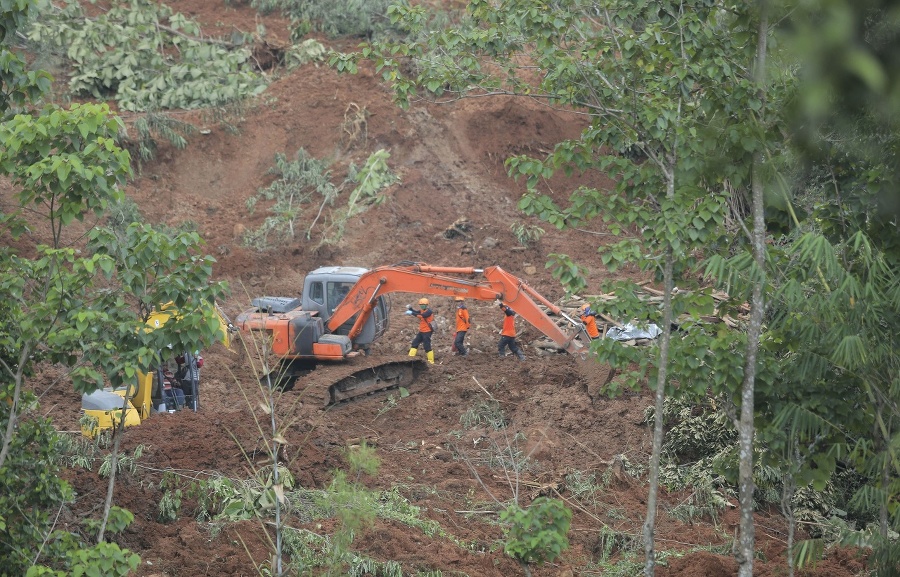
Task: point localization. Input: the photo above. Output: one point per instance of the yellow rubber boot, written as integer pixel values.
(412, 352)
(430, 355)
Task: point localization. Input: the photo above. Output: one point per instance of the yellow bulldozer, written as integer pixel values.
(173, 384)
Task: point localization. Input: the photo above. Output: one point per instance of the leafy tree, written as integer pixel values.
(31, 491)
(832, 324)
(81, 177)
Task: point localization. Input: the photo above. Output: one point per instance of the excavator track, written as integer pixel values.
(333, 383)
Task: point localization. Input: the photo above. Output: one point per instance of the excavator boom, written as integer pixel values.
(495, 284)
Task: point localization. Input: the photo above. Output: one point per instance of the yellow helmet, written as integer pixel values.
(458, 299)
(586, 307)
(423, 301)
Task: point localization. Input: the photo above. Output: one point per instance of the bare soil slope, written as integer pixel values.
(450, 158)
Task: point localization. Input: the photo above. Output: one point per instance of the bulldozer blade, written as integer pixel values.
(402, 373)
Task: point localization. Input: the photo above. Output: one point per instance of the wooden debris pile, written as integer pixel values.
(651, 296)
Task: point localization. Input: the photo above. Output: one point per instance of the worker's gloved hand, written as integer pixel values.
(409, 313)
(500, 304)
(409, 307)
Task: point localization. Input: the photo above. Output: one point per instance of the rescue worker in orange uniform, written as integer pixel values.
(508, 334)
(462, 327)
(423, 337)
(589, 319)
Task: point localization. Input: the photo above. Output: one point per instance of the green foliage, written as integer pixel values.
(392, 505)
(611, 542)
(30, 494)
(389, 403)
(83, 306)
(703, 502)
(484, 413)
(153, 125)
(370, 182)
(81, 176)
(353, 505)
(170, 502)
(309, 551)
(677, 122)
(124, 462)
(356, 18)
(306, 180)
(212, 496)
(584, 486)
(297, 184)
(149, 268)
(31, 490)
(309, 50)
(121, 214)
(526, 234)
(20, 84)
(117, 521)
(537, 534)
(145, 56)
(98, 561)
(374, 176)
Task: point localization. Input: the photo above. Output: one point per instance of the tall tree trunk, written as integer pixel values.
(885, 442)
(18, 378)
(788, 488)
(661, 376)
(746, 544)
(653, 491)
(276, 480)
(118, 431)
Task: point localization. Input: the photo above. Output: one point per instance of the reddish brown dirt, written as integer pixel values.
(450, 158)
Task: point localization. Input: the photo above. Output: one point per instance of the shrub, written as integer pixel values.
(147, 57)
(526, 234)
(356, 18)
(537, 534)
(297, 183)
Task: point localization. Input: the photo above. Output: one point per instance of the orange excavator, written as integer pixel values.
(343, 310)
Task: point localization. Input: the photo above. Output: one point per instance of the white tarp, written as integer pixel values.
(629, 331)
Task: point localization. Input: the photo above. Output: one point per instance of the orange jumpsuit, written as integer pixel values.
(423, 337)
(462, 327)
(590, 325)
(508, 334)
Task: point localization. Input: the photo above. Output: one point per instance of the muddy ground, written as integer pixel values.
(450, 159)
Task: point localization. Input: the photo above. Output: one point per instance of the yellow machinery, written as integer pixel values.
(103, 409)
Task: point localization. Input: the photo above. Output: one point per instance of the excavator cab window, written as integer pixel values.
(336, 293)
(317, 293)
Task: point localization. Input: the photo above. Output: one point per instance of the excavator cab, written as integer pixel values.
(326, 287)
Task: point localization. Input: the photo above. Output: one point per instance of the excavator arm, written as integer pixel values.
(495, 284)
